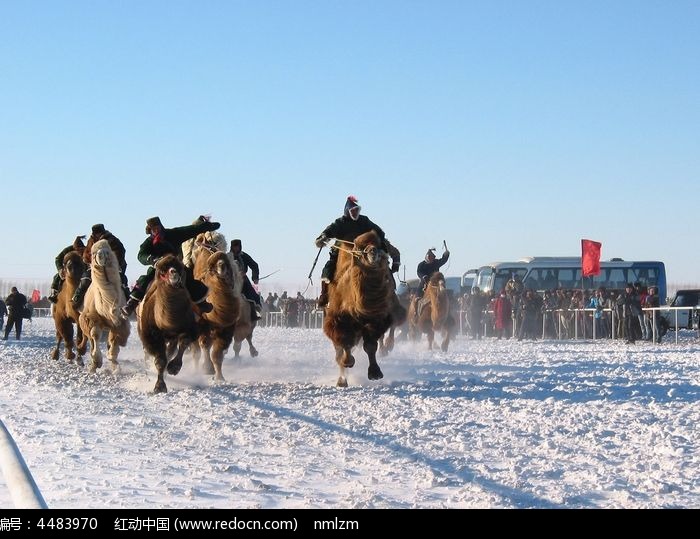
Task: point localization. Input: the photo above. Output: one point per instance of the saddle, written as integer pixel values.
(420, 304)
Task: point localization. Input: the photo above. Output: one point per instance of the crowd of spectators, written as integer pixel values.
(524, 313)
(282, 310)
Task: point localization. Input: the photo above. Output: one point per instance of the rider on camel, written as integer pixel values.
(162, 241)
(347, 228)
(99, 233)
(79, 247)
(245, 261)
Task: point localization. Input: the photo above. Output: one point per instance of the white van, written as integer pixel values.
(686, 318)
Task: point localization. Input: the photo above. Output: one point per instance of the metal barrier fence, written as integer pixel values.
(313, 319)
(276, 319)
(279, 319)
(580, 322)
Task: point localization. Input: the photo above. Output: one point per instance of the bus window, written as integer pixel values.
(483, 279)
(617, 278)
(567, 278)
(505, 274)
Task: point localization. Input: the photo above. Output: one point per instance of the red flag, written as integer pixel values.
(590, 257)
(36, 296)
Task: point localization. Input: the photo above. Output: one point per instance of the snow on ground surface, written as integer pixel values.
(488, 424)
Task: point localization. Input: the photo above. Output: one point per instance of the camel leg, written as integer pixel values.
(204, 344)
(66, 331)
(342, 380)
(386, 345)
(431, 337)
(57, 349)
(196, 353)
(81, 345)
(236, 349)
(370, 347)
(217, 358)
(344, 359)
(253, 350)
(171, 348)
(69, 353)
(160, 361)
(113, 351)
(175, 364)
(207, 364)
(445, 340)
(95, 353)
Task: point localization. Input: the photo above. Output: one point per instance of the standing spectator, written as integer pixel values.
(16, 303)
(514, 287)
(245, 262)
(3, 312)
(502, 316)
(654, 321)
(477, 304)
(597, 302)
(464, 302)
(641, 292)
(270, 303)
(531, 308)
(550, 304)
(631, 309)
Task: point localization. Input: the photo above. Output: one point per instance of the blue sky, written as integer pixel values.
(506, 128)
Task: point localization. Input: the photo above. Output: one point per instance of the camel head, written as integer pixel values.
(220, 265)
(102, 253)
(73, 265)
(171, 270)
(367, 251)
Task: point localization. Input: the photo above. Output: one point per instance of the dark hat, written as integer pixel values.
(151, 222)
(98, 229)
(14, 289)
(236, 243)
(352, 208)
(629, 285)
(78, 244)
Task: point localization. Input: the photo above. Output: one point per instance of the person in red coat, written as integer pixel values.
(502, 315)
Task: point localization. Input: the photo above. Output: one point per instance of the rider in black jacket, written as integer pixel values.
(163, 241)
(347, 228)
(246, 261)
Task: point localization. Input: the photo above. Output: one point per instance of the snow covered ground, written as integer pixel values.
(488, 424)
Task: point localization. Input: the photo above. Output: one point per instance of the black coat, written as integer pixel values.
(245, 261)
(426, 269)
(60, 256)
(114, 243)
(631, 304)
(170, 242)
(344, 228)
(15, 303)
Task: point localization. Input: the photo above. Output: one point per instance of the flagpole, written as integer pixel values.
(583, 321)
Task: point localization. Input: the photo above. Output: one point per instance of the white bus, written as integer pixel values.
(548, 273)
